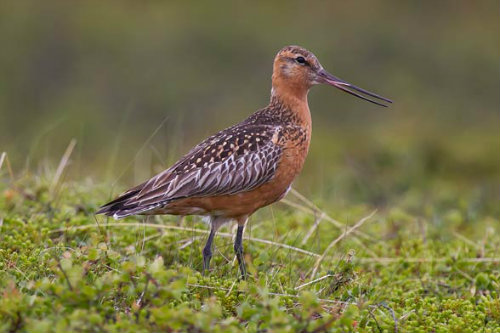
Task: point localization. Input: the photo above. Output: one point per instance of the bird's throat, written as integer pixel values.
(293, 104)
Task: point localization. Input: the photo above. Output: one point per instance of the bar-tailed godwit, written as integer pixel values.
(247, 166)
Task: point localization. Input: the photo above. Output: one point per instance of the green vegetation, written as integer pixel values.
(418, 265)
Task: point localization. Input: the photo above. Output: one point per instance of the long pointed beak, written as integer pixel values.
(328, 78)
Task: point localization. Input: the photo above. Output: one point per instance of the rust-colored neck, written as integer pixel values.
(288, 89)
(293, 98)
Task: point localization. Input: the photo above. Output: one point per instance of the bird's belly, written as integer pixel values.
(233, 205)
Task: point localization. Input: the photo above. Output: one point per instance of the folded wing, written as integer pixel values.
(232, 161)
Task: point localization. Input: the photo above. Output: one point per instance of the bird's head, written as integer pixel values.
(296, 70)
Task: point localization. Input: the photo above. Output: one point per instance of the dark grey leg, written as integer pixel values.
(207, 250)
(238, 249)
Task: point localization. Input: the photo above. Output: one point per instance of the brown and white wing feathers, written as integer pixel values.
(232, 161)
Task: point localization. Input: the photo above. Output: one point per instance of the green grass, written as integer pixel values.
(432, 269)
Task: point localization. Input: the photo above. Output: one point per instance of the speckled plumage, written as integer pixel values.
(237, 159)
(246, 166)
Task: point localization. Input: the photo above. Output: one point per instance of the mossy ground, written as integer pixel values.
(62, 269)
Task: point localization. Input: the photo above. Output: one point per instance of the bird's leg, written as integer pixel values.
(207, 250)
(215, 223)
(238, 249)
(182, 219)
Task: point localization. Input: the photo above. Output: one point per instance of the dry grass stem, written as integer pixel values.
(314, 281)
(466, 240)
(2, 158)
(144, 145)
(185, 243)
(5, 158)
(304, 199)
(63, 163)
(317, 220)
(316, 210)
(326, 217)
(338, 239)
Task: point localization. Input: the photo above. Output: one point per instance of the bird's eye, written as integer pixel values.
(300, 60)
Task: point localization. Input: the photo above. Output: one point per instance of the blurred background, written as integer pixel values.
(137, 84)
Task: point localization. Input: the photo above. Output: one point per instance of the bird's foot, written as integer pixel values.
(207, 256)
(241, 263)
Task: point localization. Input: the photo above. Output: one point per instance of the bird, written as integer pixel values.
(250, 165)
